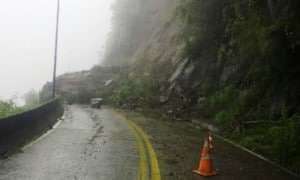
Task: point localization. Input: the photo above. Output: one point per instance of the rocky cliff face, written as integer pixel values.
(199, 50)
(80, 87)
(135, 22)
(205, 56)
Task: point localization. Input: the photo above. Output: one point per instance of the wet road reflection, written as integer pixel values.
(89, 144)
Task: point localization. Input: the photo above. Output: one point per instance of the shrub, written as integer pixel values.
(136, 92)
(8, 108)
(285, 139)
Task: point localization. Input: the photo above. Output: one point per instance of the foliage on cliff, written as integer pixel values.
(132, 93)
(254, 46)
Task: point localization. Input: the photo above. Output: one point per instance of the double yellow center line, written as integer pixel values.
(148, 163)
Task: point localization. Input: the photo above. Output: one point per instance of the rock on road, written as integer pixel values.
(88, 144)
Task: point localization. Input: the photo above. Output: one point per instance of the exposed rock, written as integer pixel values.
(163, 99)
(82, 85)
(201, 100)
(108, 82)
(189, 70)
(179, 70)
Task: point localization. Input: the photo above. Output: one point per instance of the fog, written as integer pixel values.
(27, 36)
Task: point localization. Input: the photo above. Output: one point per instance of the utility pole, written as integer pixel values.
(55, 49)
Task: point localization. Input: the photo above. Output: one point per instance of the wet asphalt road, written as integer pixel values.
(88, 144)
(178, 145)
(101, 144)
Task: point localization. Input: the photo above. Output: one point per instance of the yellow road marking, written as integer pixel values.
(145, 148)
(142, 172)
(155, 172)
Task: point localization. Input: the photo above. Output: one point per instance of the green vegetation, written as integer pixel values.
(8, 108)
(254, 46)
(133, 93)
(279, 141)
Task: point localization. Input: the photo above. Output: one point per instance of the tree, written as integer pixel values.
(31, 98)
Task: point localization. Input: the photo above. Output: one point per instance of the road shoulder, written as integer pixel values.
(178, 144)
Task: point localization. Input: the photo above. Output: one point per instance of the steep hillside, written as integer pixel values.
(235, 63)
(134, 23)
(201, 49)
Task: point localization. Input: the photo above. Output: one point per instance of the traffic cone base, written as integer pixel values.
(206, 167)
(205, 174)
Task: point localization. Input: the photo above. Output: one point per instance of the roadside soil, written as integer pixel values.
(178, 145)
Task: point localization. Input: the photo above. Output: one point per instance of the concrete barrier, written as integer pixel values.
(19, 129)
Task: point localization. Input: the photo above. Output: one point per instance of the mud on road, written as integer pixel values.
(178, 146)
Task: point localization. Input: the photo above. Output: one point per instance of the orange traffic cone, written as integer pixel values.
(206, 165)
